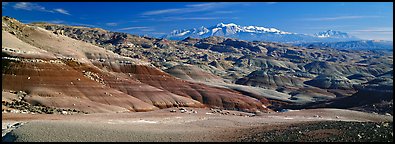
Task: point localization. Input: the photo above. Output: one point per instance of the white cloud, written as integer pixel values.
(190, 18)
(209, 4)
(376, 30)
(111, 24)
(187, 18)
(132, 28)
(162, 11)
(138, 28)
(62, 11)
(191, 8)
(30, 6)
(223, 12)
(374, 33)
(35, 7)
(340, 18)
(3, 4)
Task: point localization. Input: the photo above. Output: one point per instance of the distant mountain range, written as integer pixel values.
(258, 33)
(353, 45)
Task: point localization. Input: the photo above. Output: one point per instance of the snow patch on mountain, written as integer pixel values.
(259, 33)
(333, 34)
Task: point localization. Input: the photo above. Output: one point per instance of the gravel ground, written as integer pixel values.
(327, 131)
(88, 132)
(165, 126)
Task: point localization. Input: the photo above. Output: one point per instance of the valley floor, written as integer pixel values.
(197, 124)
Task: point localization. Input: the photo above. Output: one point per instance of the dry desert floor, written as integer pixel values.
(162, 125)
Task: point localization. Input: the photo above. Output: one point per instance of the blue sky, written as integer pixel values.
(367, 20)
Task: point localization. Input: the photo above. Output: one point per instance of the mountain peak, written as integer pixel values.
(333, 34)
(226, 25)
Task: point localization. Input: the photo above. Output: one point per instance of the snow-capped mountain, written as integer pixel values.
(334, 34)
(259, 33)
(222, 29)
